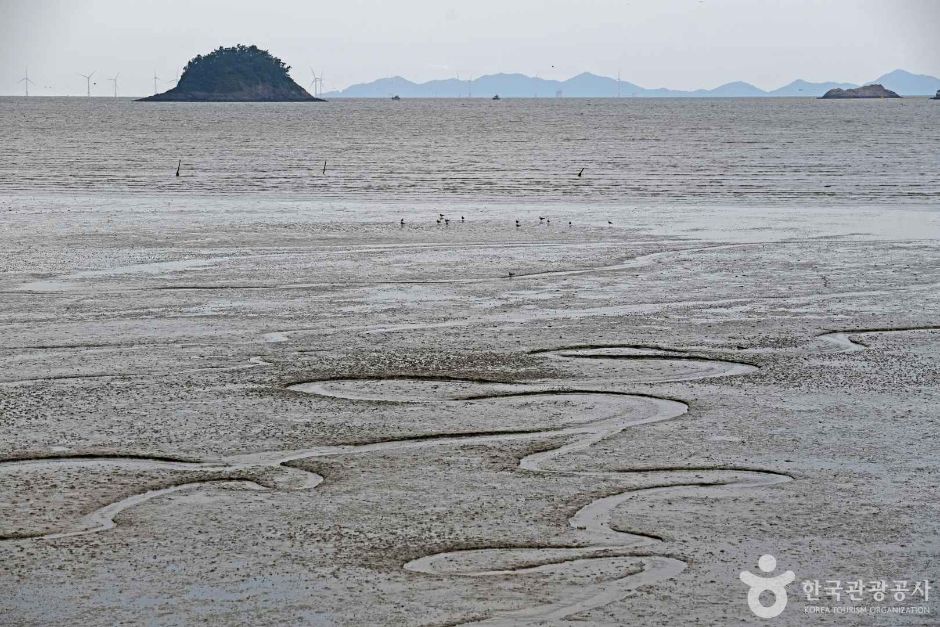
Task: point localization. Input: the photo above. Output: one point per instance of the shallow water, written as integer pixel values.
(755, 152)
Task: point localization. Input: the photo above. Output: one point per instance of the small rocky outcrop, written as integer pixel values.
(867, 91)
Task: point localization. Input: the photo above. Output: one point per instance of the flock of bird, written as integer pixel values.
(444, 220)
(441, 218)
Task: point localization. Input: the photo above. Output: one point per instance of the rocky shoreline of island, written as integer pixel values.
(866, 91)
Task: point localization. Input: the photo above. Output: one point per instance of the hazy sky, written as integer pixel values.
(655, 43)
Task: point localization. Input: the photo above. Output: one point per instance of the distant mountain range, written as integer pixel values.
(589, 85)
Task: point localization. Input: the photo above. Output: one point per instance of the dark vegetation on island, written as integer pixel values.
(236, 74)
(868, 91)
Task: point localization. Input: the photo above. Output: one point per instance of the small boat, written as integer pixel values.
(496, 97)
(396, 97)
(937, 97)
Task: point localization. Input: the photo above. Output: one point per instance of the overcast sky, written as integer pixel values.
(681, 44)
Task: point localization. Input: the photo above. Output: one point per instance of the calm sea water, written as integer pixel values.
(758, 151)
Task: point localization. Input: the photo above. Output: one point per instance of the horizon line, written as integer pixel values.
(701, 92)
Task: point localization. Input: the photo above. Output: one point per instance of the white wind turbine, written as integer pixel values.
(316, 83)
(27, 81)
(155, 79)
(114, 80)
(87, 78)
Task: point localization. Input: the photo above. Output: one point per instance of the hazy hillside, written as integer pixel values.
(908, 84)
(587, 85)
(800, 88)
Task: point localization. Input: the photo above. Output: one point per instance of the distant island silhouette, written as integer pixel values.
(236, 74)
(868, 91)
(587, 85)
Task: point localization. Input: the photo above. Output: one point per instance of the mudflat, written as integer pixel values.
(270, 412)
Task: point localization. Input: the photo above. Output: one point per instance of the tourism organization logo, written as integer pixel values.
(844, 597)
(776, 585)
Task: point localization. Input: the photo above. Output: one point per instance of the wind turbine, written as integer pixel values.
(88, 82)
(27, 81)
(317, 84)
(314, 82)
(114, 80)
(155, 79)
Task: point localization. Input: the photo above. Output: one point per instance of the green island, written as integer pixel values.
(235, 74)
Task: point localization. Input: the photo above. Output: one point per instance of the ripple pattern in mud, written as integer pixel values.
(843, 342)
(404, 390)
(610, 554)
(636, 364)
(220, 472)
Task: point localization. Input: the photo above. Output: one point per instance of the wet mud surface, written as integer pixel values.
(267, 419)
